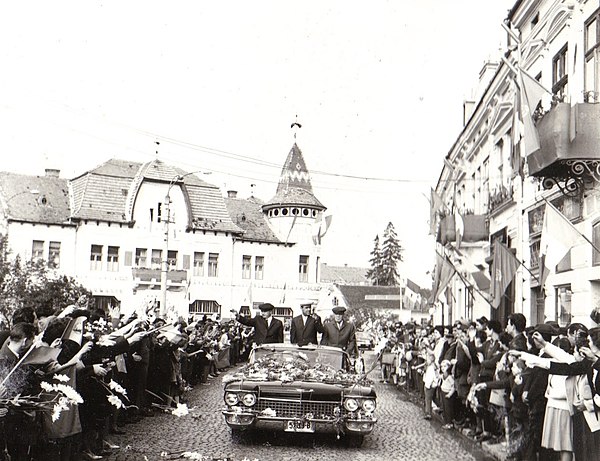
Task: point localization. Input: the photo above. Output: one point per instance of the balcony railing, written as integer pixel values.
(569, 136)
(500, 196)
(147, 275)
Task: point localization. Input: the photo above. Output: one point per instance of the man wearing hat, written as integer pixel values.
(340, 333)
(305, 326)
(267, 329)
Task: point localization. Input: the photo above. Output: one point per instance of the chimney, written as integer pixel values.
(52, 173)
(232, 194)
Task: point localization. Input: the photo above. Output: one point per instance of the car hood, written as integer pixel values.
(307, 390)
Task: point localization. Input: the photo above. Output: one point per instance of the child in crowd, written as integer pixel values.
(448, 393)
(431, 379)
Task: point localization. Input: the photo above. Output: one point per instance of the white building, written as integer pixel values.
(556, 42)
(121, 227)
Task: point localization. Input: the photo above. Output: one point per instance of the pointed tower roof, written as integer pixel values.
(294, 188)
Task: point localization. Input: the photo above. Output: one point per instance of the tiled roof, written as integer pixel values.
(108, 193)
(247, 214)
(344, 275)
(294, 186)
(355, 296)
(39, 199)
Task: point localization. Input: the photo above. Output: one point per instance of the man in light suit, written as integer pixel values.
(340, 333)
(267, 329)
(305, 326)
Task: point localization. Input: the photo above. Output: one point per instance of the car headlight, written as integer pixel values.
(231, 398)
(249, 399)
(369, 405)
(351, 404)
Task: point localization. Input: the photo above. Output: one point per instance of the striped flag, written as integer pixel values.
(504, 269)
(558, 237)
(444, 271)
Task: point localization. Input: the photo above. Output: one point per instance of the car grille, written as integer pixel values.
(298, 408)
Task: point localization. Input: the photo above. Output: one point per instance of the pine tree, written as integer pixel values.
(391, 255)
(374, 274)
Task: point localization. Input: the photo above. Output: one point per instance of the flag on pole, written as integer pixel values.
(173, 335)
(282, 300)
(436, 207)
(444, 271)
(459, 227)
(558, 237)
(504, 269)
(248, 297)
(528, 95)
(320, 227)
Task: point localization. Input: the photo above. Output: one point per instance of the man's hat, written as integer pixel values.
(339, 309)
(306, 304)
(266, 307)
(546, 329)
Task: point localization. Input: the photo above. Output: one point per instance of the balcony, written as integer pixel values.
(146, 276)
(568, 156)
(476, 229)
(499, 198)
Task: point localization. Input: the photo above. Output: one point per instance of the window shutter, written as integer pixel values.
(186, 262)
(128, 258)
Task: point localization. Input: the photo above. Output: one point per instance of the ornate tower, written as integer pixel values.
(294, 209)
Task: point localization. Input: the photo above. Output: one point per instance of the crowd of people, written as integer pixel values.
(533, 388)
(122, 370)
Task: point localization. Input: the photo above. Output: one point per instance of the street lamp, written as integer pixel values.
(165, 260)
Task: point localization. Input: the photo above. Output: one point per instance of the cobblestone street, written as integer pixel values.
(400, 434)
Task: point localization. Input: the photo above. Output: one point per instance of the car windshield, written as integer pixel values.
(330, 358)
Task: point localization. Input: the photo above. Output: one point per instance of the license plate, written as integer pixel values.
(299, 426)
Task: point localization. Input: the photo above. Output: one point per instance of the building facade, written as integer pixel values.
(506, 171)
(151, 234)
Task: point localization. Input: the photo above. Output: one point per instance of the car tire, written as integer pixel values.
(354, 441)
(238, 435)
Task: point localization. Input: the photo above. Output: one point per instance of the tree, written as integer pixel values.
(31, 284)
(391, 255)
(374, 274)
(384, 260)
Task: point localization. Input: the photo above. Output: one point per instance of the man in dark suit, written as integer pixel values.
(305, 326)
(267, 329)
(340, 333)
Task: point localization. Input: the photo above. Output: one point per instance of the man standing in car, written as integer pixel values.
(267, 329)
(340, 333)
(305, 326)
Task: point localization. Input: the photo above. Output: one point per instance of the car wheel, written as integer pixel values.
(355, 441)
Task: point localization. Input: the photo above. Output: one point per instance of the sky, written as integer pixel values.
(377, 86)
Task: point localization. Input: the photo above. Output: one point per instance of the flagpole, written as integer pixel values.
(571, 224)
(464, 280)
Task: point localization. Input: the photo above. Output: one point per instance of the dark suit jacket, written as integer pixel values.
(344, 338)
(302, 334)
(262, 333)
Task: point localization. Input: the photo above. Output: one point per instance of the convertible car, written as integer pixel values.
(300, 389)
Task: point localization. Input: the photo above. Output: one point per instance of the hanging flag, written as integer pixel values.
(459, 227)
(558, 237)
(436, 208)
(444, 271)
(504, 269)
(528, 96)
(248, 297)
(320, 227)
(282, 300)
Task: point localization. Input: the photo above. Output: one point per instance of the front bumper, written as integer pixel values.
(346, 425)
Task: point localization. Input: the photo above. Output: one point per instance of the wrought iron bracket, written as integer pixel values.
(572, 176)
